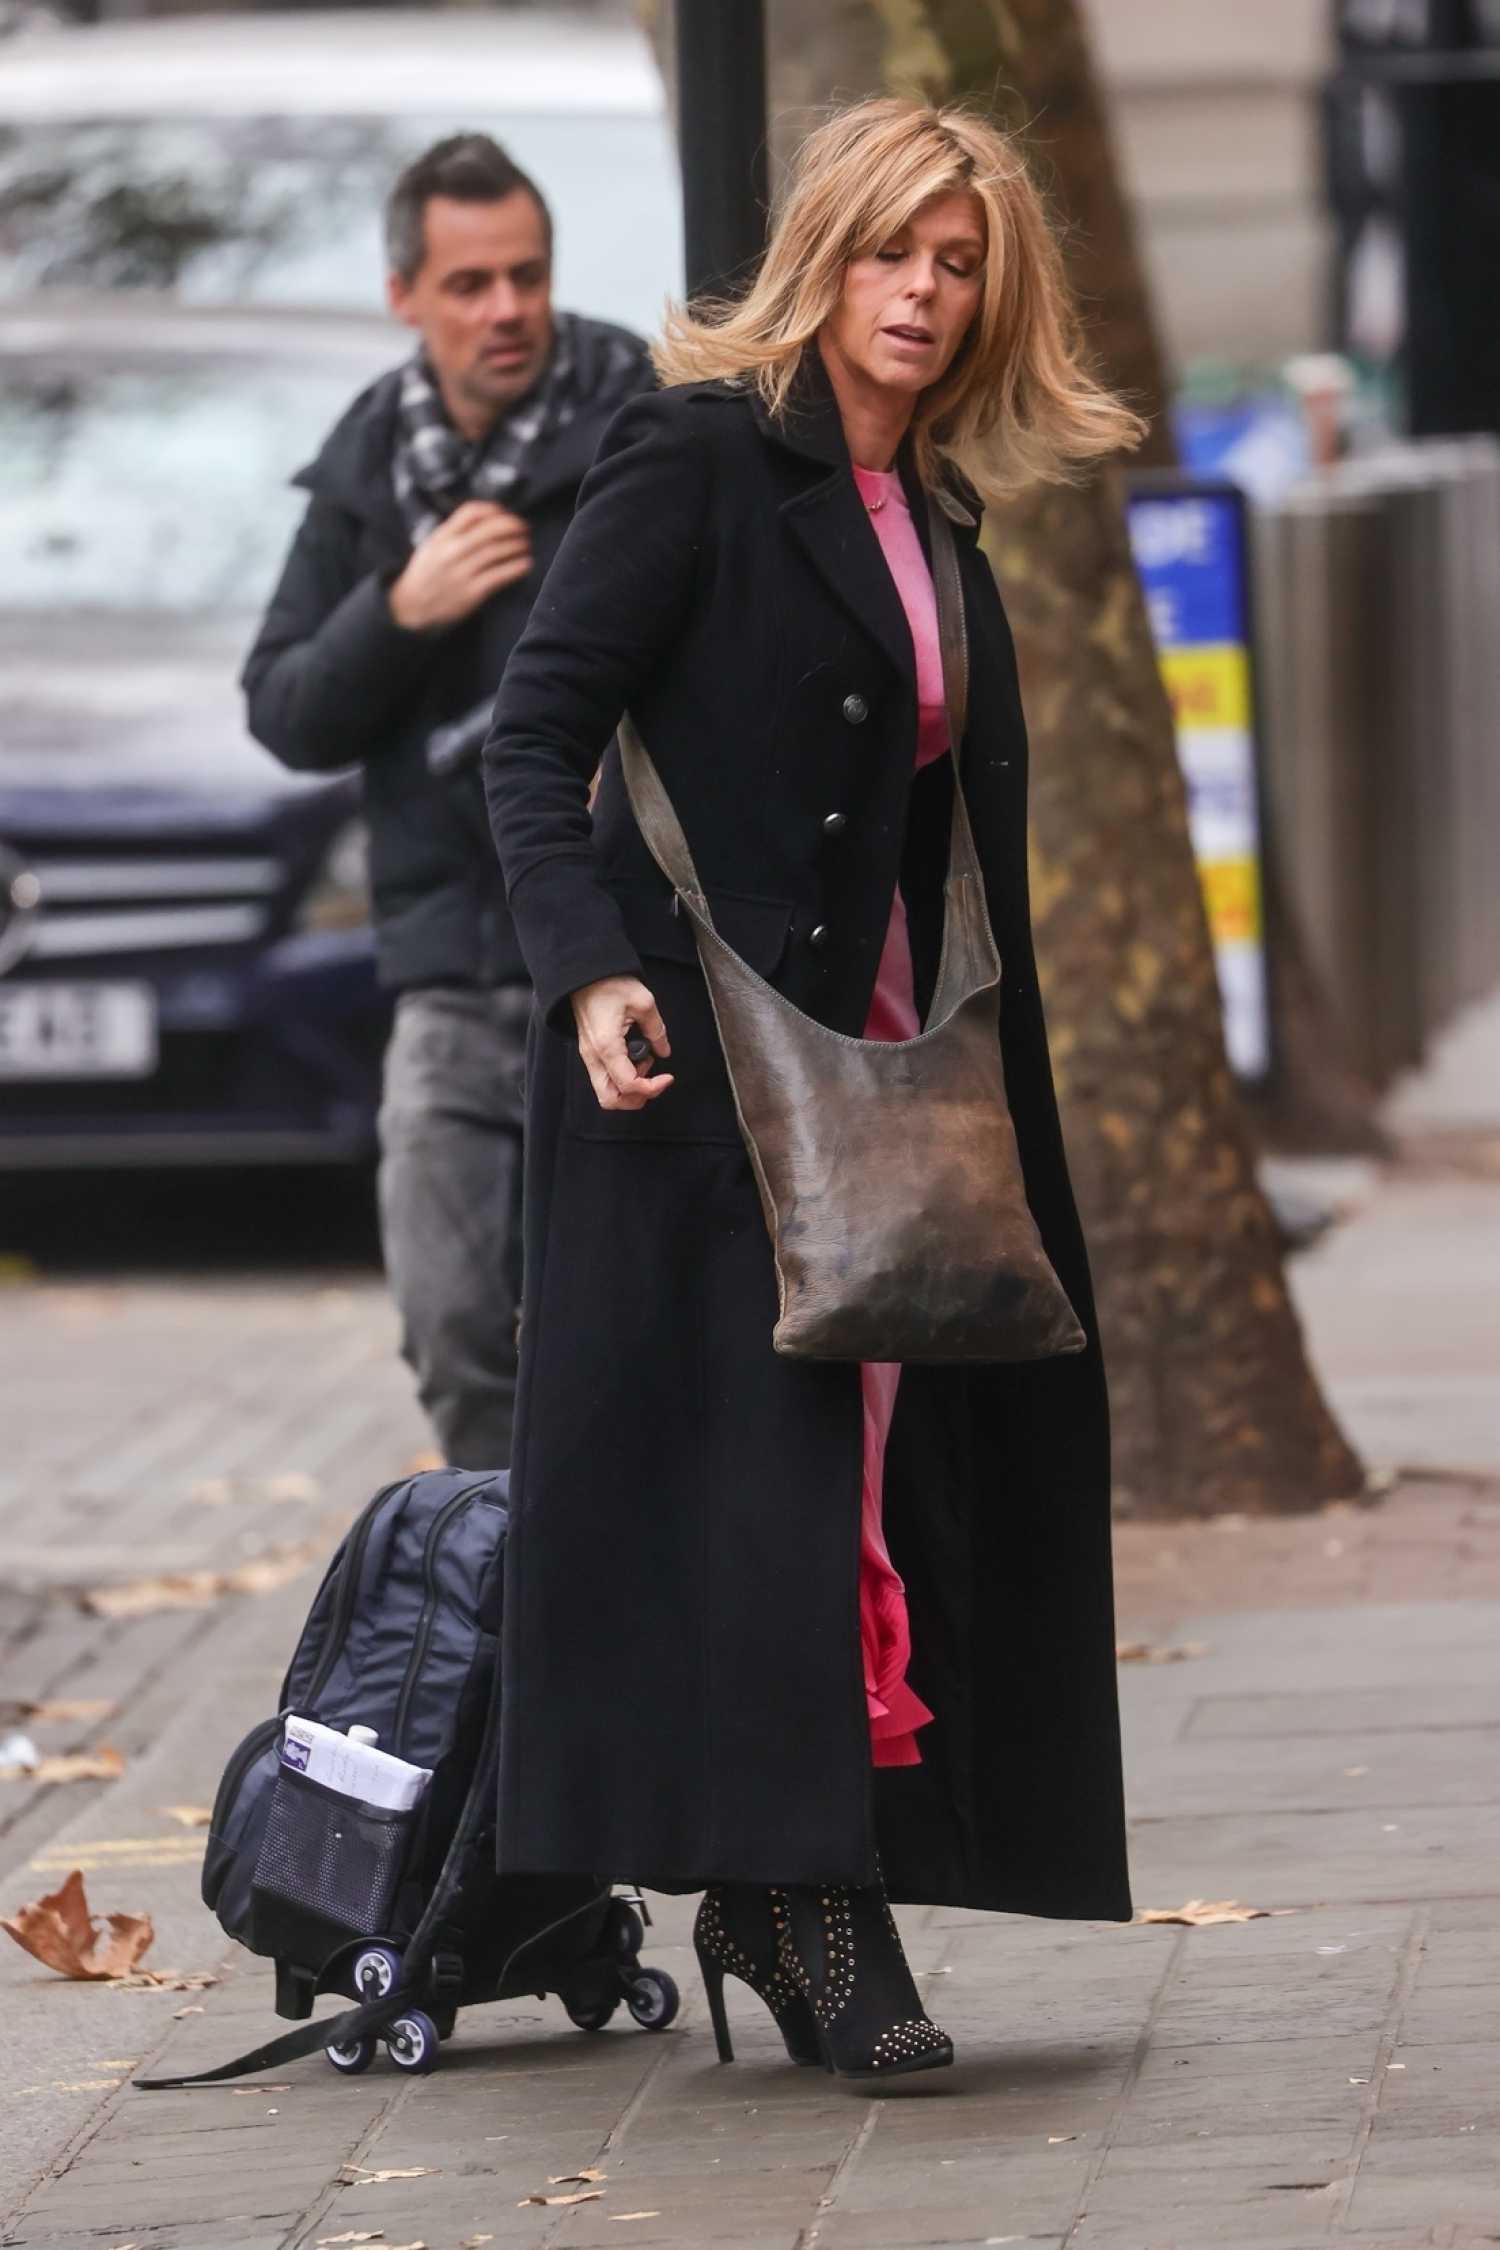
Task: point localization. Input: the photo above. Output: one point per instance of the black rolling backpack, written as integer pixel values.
(353, 1835)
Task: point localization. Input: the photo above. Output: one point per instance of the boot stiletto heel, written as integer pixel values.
(737, 1934)
(844, 1950)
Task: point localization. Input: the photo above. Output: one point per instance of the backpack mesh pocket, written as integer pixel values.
(328, 1867)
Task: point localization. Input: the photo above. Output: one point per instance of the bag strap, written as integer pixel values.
(953, 634)
(656, 818)
(662, 831)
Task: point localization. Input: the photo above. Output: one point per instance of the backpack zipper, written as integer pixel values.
(429, 1610)
(355, 1544)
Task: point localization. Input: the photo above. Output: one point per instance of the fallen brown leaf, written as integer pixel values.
(326, 2241)
(72, 1765)
(589, 2195)
(142, 1597)
(475, 2241)
(270, 1572)
(187, 1816)
(285, 2089)
(585, 2178)
(77, 1710)
(1166, 1652)
(61, 1933)
(200, 1589)
(293, 1484)
(179, 2013)
(623, 2218)
(164, 1980)
(1199, 1913)
(378, 2179)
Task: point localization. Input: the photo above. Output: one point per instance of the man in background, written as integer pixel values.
(436, 505)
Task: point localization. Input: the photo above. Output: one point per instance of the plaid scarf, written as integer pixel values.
(435, 470)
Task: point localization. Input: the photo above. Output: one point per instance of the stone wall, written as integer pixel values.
(1216, 106)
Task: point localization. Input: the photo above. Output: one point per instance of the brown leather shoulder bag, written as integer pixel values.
(888, 1170)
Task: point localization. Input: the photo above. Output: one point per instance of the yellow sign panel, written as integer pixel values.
(1231, 892)
(1209, 685)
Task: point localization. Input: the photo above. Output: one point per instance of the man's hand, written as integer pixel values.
(604, 1013)
(473, 553)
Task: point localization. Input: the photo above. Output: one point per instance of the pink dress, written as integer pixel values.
(896, 1711)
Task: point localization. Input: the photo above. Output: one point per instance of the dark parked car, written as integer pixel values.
(185, 958)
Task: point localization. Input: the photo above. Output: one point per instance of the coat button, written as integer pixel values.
(856, 710)
(818, 936)
(835, 823)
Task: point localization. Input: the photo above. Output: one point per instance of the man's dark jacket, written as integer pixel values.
(333, 681)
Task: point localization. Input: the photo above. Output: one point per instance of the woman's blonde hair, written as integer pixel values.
(1017, 405)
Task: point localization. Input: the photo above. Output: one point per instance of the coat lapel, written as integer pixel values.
(831, 523)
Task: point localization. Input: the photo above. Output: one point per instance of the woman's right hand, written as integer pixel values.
(605, 1013)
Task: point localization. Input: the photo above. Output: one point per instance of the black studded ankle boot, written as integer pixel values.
(844, 1950)
(738, 1933)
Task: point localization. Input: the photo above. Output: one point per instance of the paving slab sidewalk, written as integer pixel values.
(1328, 1751)
(1327, 2073)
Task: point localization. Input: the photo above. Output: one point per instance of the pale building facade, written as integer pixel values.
(1216, 106)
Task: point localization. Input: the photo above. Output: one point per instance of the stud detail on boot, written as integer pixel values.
(903, 2041)
(844, 1950)
(738, 1933)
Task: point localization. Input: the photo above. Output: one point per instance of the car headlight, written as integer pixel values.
(339, 898)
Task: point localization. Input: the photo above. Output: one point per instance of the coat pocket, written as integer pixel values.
(700, 1105)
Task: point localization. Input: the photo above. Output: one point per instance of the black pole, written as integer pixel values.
(721, 106)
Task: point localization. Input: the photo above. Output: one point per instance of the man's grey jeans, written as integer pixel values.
(450, 1206)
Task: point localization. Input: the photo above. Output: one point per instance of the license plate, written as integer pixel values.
(77, 1031)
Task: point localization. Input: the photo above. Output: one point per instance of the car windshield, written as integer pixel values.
(286, 210)
(156, 483)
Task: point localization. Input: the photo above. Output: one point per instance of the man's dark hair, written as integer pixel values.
(469, 167)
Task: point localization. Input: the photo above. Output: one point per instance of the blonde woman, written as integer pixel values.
(800, 1635)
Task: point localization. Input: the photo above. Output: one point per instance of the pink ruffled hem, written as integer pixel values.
(896, 1710)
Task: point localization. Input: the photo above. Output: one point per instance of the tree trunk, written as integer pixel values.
(1215, 1406)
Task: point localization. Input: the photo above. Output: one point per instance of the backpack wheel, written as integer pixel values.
(653, 1999)
(627, 1932)
(374, 1972)
(592, 2018)
(352, 2061)
(412, 2043)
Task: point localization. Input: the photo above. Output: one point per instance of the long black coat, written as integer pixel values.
(683, 1687)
